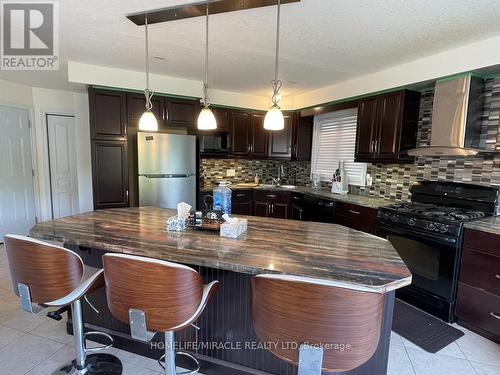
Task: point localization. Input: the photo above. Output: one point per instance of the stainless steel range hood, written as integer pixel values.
(456, 118)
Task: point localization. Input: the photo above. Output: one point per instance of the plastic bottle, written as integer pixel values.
(222, 197)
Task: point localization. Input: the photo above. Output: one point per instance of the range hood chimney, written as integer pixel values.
(456, 118)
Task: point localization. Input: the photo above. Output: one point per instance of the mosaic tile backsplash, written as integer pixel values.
(392, 181)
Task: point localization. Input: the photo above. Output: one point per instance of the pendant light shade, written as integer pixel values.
(206, 119)
(148, 120)
(274, 119)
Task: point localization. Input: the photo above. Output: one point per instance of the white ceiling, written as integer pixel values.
(323, 41)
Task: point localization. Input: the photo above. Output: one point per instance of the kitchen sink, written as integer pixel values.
(288, 186)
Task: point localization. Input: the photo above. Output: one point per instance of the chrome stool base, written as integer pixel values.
(186, 372)
(96, 364)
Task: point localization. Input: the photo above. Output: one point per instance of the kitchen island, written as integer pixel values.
(344, 256)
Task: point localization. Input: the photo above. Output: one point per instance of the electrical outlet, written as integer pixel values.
(230, 173)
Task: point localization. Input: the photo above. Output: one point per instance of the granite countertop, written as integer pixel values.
(345, 256)
(488, 224)
(359, 200)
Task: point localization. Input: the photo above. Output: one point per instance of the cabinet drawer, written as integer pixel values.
(356, 217)
(242, 195)
(481, 270)
(272, 196)
(479, 308)
(478, 240)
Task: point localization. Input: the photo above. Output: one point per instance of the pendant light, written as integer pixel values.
(148, 120)
(274, 119)
(206, 119)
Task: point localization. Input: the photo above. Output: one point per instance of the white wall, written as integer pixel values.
(15, 94)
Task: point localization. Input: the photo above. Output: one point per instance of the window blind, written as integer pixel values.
(335, 140)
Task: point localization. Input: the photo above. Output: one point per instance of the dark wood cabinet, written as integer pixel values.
(108, 114)
(110, 174)
(297, 206)
(222, 115)
(136, 105)
(257, 136)
(356, 217)
(387, 127)
(478, 295)
(280, 142)
(240, 125)
(181, 112)
(302, 138)
(242, 202)
(268, 203)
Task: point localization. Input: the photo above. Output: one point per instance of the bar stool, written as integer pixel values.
(44, 275)
(154, 295)
(316, 324)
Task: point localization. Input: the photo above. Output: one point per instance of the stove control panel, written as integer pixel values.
(418, 223)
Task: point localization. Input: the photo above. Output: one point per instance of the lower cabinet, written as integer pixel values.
(356, 217)
(297, 207)
(268, 203)
(242, 202)
(110, 174)
(478, 295)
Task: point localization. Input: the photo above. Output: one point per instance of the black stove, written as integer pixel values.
(427, 234)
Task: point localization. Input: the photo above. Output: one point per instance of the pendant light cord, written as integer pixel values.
(205, 84)
(276, 83)
(147, 93)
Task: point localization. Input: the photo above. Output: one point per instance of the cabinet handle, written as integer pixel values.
(272, 208)
(240, 195)
(271, 195)
(495, 315)
(497, 276)
(377, 144)
(126, 194)
(166, 114)
(372, 147)
(354, 212)
(300, 213)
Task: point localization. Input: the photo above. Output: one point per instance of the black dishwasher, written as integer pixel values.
(318, 209)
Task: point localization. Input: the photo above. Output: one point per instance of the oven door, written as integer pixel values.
(433, 262)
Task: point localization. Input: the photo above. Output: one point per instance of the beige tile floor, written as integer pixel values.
(37, 345)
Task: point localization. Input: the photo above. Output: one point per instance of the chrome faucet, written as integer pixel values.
(281, 174)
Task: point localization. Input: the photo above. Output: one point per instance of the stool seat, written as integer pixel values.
(316, 323)
(45, 275)
(155, 296)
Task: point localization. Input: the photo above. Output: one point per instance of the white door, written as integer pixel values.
(62, 162)
(17, 199)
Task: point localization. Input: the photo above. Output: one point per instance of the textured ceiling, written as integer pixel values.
(323, 41)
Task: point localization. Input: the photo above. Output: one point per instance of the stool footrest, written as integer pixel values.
(97, 348)
(186, 354)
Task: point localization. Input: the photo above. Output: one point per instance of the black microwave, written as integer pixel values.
(215, 143)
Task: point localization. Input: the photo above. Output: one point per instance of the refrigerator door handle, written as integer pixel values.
(167, 175)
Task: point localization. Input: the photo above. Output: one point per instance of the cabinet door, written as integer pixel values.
(280, 210)
(389, 128)
(108, 114)
(242, 208)
(240, 124)
(280, 142)
(110, 174)
(136, 107)
(222, 117)
(258, 135)
(366, 129)
(303, 138)
(181, 112)
(261, 208)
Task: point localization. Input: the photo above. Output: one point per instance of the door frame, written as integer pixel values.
(44, 173)
(33, 148)
(75, 162)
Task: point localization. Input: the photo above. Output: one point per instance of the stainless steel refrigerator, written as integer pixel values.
(167, 169)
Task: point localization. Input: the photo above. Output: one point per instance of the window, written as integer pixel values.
(334, 140)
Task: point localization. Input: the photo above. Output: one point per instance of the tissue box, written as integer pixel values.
(176, 224)
(234, 230)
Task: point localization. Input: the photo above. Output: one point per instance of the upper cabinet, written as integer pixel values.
(387, 127)
(302, 138)
(280, 141)
(108, 114)
(257, 136)
(136, 105)
(240, 128)
(222, 115)
(181, 112)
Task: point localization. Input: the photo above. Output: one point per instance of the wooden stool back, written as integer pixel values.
(168, 293)
(288, 310)
(51, 272)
